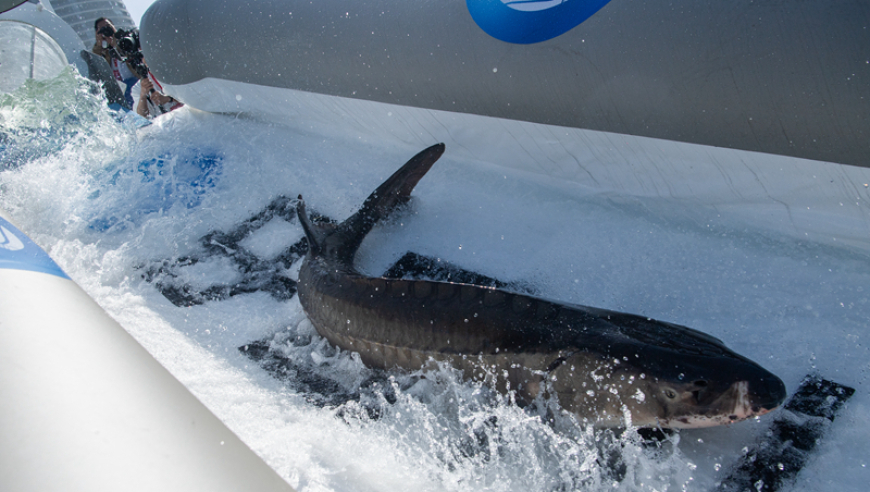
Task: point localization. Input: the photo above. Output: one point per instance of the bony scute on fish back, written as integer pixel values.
(610, 369)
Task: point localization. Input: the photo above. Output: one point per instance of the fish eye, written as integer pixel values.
(670, 394)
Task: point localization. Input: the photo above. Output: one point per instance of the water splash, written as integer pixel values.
(462, 434)
(41, 117)
(138, 188)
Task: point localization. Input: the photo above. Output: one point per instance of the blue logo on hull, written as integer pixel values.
(531, 21)
(19, 252)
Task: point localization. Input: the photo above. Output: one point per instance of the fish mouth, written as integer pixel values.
(740, 401)
(771, 396)
(744, 406)
(753, 400)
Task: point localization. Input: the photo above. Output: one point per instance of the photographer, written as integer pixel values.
(123, 52)
(107, 46)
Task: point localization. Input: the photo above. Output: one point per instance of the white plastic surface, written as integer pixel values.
(818, 200)
(28, 53)
(63, 40)
(86, 408)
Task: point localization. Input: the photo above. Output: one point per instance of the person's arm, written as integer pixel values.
(145, 87)
(99, 50)
(155, 95)
(98, 44)
(159, 99)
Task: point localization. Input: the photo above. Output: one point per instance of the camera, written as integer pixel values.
(128, 41)
(128, 48)
(137, 63)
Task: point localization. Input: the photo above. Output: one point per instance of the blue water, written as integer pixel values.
(111, 201)
(156, 184)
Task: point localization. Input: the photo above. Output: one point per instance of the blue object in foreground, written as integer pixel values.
(19, 252)
(531, 21)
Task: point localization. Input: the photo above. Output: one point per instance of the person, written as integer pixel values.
(128, 66)
(152, 101)
(106, 46)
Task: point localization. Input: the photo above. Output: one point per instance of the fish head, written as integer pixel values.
(709, 391)
(653, 387)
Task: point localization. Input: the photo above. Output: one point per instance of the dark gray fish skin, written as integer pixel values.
(610, 369)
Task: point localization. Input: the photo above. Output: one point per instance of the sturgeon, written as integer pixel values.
(610, 369)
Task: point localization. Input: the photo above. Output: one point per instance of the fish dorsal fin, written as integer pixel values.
(342, 243)
(316, 234)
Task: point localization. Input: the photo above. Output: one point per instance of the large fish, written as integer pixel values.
(611, 369)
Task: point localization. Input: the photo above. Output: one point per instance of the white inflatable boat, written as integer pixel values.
(86, 408)
(785, 78)
(739, 104)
